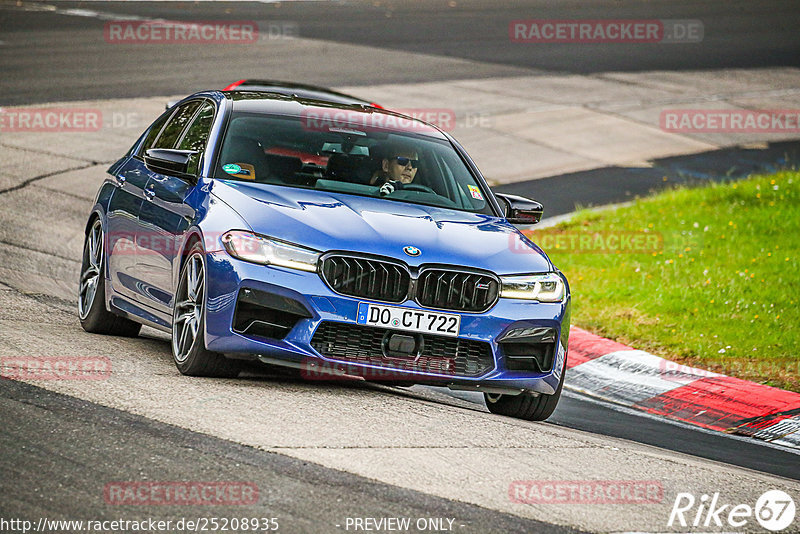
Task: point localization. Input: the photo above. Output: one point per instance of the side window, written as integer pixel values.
(153, 132)
(197, 134)
(176, 124)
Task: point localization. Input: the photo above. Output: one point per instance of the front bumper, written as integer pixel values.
(227, 276)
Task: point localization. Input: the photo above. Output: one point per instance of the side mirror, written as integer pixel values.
(170, 161)
(521, 210)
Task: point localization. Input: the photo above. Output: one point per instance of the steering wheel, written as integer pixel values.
(418, 187)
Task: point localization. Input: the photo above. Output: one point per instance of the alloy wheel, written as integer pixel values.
(92, 269)
(188, 308)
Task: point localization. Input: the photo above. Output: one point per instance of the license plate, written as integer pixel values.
(443, 324)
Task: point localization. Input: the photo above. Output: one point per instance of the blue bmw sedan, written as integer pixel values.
(345, 241)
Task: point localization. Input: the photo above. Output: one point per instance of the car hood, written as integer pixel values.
(327, 221)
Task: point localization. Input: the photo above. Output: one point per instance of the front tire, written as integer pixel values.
(188, 324)
(524, 406)
(92, 312)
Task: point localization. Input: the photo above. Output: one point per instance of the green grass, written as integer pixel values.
(722, 294)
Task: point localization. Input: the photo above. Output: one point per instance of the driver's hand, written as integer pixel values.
(389, 187)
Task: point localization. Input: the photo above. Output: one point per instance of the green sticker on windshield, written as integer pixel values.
(475, 192)
(232, 168)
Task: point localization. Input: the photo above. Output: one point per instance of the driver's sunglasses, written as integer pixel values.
(403, 161)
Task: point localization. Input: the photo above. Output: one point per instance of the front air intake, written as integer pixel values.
(265, 315)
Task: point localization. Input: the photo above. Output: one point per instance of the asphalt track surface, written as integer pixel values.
(612, 185)
(44, 423)
(51, 56)
(80, 445)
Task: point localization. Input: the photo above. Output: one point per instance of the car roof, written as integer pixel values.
(341, 114)
(300, 89)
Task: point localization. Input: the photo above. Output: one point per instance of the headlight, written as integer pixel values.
(248, 246)
(542, 287)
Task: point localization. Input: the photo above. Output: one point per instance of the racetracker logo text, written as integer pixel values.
(730, 121)
(358, 122)
(50, 120)
(55, 367)
(539, 31)
(605, 242)
(410, 369)
(180, 493)
(586, 491)
(174, 32)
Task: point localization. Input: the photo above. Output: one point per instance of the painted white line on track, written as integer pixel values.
(75, 12)
(216, 1)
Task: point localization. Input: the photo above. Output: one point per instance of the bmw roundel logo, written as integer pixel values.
(412, 251)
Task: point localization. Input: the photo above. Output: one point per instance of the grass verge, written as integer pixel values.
(709, 277)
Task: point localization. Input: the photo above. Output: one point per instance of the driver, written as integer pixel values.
(397, 168)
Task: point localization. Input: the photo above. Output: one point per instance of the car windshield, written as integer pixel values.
(394, 164)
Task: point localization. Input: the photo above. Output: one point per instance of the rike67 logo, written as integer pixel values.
(774, 510)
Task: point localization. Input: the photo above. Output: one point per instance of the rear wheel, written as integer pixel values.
(188, 324)
(524, 405)
(92, 312)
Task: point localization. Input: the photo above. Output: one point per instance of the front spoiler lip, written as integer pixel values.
(480, 384)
